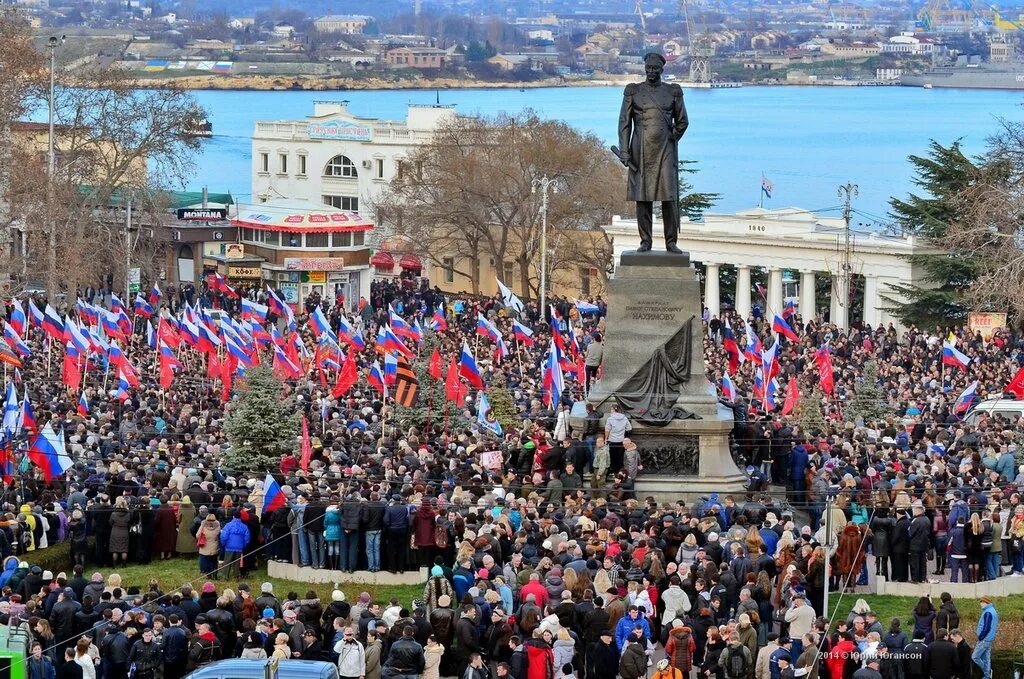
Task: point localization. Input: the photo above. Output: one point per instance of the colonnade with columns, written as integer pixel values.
(807, 305)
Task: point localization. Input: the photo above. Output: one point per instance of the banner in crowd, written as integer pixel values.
(985, 322)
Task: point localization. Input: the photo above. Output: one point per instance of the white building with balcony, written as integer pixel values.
(791, 245)
(335, 157)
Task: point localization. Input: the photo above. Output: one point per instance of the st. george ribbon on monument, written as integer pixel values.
(653, 365)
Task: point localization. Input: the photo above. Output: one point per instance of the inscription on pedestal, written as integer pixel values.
(652, 310)
(678, 454)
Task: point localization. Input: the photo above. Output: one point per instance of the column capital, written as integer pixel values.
(710, 264)
(743, 267)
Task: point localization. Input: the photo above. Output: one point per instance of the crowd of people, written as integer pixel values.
(543, 566)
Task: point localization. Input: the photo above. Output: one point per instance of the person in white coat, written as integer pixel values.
(677, 604)
(351, 656)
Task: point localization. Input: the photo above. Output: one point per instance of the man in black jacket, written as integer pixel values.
(313, 524)
(942, 657)
(899, 547)
(964, 664)
(915, 657)
(372, 523)
(920, 540)
(62, 619)
(396, 523)
(175, 648)
(602, 659)
(518, 662)
(405, 659)
(351, 512)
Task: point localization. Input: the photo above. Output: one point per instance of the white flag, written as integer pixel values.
(509, 298)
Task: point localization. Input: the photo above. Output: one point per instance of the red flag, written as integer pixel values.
(435, 364)
(824, 360)
(165, 332)
(228, 367)
(307, 446)
(72, 375)
(452, 383)
(1016, 385)
(166, 375)
(792, 396)
(214, 370)
(347, 377)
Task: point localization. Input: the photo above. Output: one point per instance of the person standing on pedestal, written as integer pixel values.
(651, 123)
(615, 429)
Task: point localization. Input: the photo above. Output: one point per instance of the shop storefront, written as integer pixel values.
(304, 248)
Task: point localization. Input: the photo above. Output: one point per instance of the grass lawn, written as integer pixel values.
(174, 573)
(1009, 644)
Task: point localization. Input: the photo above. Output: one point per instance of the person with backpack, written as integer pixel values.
(735, 660)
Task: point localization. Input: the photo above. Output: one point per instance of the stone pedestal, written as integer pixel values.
(651, 297)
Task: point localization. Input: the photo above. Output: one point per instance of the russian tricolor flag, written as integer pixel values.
(150, 335)
(486, 328)
(122, 386)
(953, 356)
(13, 338)
(142, 307)
(728, 389)
(468, 368)
(321, 326)
(399, 326)
(48, 453)
(18, 317)
(275, 303)
(554, 382)
(83, 405)
(392, 343)
(523, 334)
(753, 348)
(780, 326)
(586, 307)
(35, 314)
(966, 398)
(390, 369)
(52, 325)
(376, 379)
(438, 322)
(789, 309)
(254, 311)
(417, 331)
(730, 346)
(273, 497)
(28, 418)
(154, 295)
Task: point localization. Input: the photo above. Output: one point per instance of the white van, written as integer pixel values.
(1007, 408)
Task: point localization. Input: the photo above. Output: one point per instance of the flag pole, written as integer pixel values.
(760, 194)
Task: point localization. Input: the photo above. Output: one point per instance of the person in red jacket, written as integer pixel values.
(540, 659)
(840, 654)
(535, 588)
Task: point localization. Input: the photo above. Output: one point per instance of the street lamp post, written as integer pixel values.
(51, 253)
(545, 183)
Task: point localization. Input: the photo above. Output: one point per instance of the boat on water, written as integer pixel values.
(201, 127)
(970, 74)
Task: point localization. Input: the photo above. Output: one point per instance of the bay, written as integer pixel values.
(806, 140)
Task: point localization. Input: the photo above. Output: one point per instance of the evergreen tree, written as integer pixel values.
(262, 425)
(692, 205)
(430, 402)
(808, 412)
(942, 175)
(868, 402)
(503, 408)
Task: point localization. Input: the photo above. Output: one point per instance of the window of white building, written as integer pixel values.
(340, 166)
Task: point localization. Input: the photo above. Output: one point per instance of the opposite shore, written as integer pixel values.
(315, 83)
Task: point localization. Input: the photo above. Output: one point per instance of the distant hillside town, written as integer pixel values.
(547, 42)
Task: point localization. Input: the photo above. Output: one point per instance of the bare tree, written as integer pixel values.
(116, 144)
(20, 75)
(470, 193)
